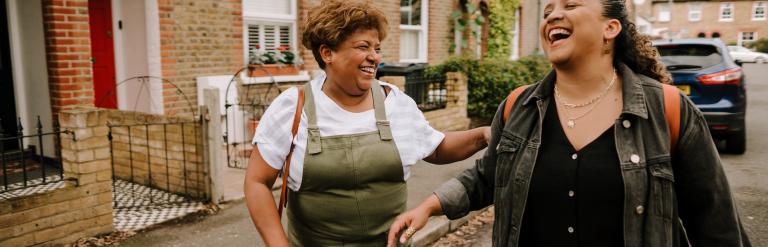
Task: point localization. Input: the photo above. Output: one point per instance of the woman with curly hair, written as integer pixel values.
(587, 156)
(355, 140)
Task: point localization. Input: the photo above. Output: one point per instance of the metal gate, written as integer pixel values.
(157, 159)
(151, 158)
(243, 107)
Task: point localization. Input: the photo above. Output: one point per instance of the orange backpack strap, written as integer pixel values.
(287, 166)
(672, 112)
(511, 98)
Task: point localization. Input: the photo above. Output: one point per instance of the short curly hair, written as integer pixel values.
(333, 21)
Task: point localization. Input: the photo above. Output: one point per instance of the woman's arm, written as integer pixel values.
(259, 179)
(460, 145)
(706, 205)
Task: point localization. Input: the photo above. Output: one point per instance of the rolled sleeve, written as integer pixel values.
(453, 199)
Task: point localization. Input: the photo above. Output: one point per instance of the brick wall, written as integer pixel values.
(175, 152)
(454, 116)
(198, 38)
(68, 49)
(440, 30)
(79, 209)
(710, 21)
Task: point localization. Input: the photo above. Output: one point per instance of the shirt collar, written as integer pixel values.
(632, 90)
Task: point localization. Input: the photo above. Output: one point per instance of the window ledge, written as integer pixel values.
(302, 76)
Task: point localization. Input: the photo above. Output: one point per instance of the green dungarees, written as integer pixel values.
(352, 187)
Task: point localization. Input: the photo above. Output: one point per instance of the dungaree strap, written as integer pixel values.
(313, 132)
(381, 114)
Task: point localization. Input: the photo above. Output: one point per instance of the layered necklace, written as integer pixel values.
(592, 103)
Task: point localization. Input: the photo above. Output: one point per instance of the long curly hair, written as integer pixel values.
(632, 48)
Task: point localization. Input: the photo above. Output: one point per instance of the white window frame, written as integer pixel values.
(723, 7)
(256, 18)
(694, 8)
(741, 40)
(423, 34)
(755, 6)
(515, 53)
(664, 16)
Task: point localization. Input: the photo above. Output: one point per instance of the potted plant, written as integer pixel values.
(281, 61)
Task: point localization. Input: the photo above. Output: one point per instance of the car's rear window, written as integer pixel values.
(693, 55)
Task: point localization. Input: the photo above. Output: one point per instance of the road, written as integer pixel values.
(747, 173)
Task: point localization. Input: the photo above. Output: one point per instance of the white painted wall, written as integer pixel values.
(133, 52)
(30, 74)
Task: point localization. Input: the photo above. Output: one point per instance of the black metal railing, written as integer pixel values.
(26, 163)
(429, 93)
(144, 148)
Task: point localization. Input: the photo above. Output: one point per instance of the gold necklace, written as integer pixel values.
(572, 120)
(591, 101)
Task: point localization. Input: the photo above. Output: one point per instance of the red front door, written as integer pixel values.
(102, 50)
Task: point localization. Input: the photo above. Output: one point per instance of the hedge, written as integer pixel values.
(491, 80)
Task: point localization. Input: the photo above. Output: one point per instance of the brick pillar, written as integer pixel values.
(456, 85)
(87, 158)
(68, 49)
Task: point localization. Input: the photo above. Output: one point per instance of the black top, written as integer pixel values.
(575, 198)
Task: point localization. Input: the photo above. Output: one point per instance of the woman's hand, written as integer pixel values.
(412, 221)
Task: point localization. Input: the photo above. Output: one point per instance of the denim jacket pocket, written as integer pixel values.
(509, 146)
(662, 189)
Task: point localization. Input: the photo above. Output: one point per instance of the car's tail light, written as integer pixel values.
(725, 77)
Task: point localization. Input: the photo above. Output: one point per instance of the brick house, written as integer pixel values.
(735, 22)
(73, 52)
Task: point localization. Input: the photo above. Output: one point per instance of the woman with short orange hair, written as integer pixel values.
(356, 140)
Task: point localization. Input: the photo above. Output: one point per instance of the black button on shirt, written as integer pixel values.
(575, 198)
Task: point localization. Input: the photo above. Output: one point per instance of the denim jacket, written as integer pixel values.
(677, 198)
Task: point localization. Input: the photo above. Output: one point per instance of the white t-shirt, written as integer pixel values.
(414, 138)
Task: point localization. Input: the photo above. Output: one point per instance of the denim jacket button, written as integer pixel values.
(639, 210)
(626, 124)
(634, 158)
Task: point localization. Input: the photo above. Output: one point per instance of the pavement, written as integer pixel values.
(232, 225)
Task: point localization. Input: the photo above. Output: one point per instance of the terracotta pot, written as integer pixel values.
(255, 70)
(252, 124)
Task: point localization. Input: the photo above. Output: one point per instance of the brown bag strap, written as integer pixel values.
(671, 109)
(672, 112)
(511, 98)
(287, 166)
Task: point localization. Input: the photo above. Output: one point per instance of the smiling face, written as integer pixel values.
(573, 30)
(352, 65)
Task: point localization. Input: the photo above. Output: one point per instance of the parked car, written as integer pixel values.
(741, 54)
(703, 69)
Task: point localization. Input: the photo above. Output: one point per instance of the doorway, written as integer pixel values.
(102, 50)
(7, 97)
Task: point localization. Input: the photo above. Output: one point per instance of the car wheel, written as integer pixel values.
(760, 60)
(736, 143)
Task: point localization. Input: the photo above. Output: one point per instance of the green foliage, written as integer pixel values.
(760, 45)
(502, 13)
(462, 21)
(491, 80)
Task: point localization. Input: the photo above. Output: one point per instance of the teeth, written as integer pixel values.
(556, 31)
(367, 69)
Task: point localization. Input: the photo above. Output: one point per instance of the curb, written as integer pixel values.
(438, 227)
